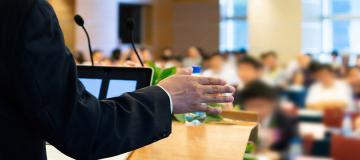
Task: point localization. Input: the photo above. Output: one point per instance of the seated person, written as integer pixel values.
(353, 78)
(248, 70)
(328, 91)
(215, 66)
(273, 74)
(276, 129)
(296, 91)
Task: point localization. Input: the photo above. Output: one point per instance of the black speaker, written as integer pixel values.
(127, 11)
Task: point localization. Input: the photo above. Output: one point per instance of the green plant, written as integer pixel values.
(209, 117)
(160, 74)
(249, 151)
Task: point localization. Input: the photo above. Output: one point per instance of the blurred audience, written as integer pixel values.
(329, 91)
(353, 78)
(193, 57)
(276, 128)
(215, 66)
(79, 57)
(115, 58)
(273, 74)
(248, 70)
(296, 90)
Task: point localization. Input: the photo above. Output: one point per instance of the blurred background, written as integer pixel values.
(295, 62)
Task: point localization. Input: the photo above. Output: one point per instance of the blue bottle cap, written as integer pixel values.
(196, 69)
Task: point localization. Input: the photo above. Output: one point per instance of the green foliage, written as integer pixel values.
(213, 118)
(250, 148)
(209, 117)
(249, 157)
(160, 74)
(237, 108)
(180, 117)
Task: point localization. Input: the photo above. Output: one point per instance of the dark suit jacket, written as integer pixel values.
(41, 99)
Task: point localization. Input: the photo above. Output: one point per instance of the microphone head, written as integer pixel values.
(79, 20)
(130, 24)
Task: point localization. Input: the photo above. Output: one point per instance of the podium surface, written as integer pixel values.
(204, 142)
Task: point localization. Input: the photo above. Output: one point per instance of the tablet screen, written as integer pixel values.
(92, 85)
(119, 87)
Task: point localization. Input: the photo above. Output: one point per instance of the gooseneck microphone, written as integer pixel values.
(131, 27)
(80, 22)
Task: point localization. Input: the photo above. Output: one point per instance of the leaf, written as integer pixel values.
(250, 148)
(157, 72)
(249, 157)
(237, 108)
(180, 117)
(167, 73)
(212, 118)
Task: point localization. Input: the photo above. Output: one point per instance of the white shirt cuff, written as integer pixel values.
(171, 103)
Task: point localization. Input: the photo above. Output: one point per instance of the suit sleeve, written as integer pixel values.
(67, 116)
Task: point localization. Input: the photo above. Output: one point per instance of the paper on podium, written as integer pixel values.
(225, 141)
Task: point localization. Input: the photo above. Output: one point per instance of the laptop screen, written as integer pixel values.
(116, 87)
(119, 87)
(92, 85)
(109, 82)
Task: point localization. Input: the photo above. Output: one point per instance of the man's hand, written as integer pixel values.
(192, 93)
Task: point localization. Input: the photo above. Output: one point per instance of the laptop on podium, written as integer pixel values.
(107, 82)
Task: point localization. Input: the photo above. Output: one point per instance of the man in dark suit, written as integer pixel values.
(41, 98)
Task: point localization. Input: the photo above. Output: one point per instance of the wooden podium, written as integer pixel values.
(225, 140)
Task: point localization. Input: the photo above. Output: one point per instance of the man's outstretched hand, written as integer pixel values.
(192, 93)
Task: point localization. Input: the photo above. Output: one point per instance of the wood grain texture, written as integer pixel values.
(205, 142)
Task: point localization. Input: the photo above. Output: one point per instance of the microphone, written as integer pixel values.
(131, 27)
(80, 22)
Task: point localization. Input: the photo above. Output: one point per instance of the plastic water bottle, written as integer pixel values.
(347, 125)
(195, 118)
(295, 150)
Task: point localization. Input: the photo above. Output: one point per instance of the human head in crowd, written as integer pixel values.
(345, 59)
(269, 60)
(358, 61)
(304, 61)
(354, 73)
(353, 78)
(325, 74)
(146, 54)
(115, 55)
(98, 56)
(167, 54)
(194, 56)
(79, 57)
(216, 62)
(241, 53)
(248, 69)
(115, 58)
(194, 52)
(259, 97)
(277, 128)
(334, 55)
(131, 56)
(298, 79)
(343, 69)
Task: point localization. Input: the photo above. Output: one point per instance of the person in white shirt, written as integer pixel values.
(218, 68)
(273, 74)
(329, 92)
